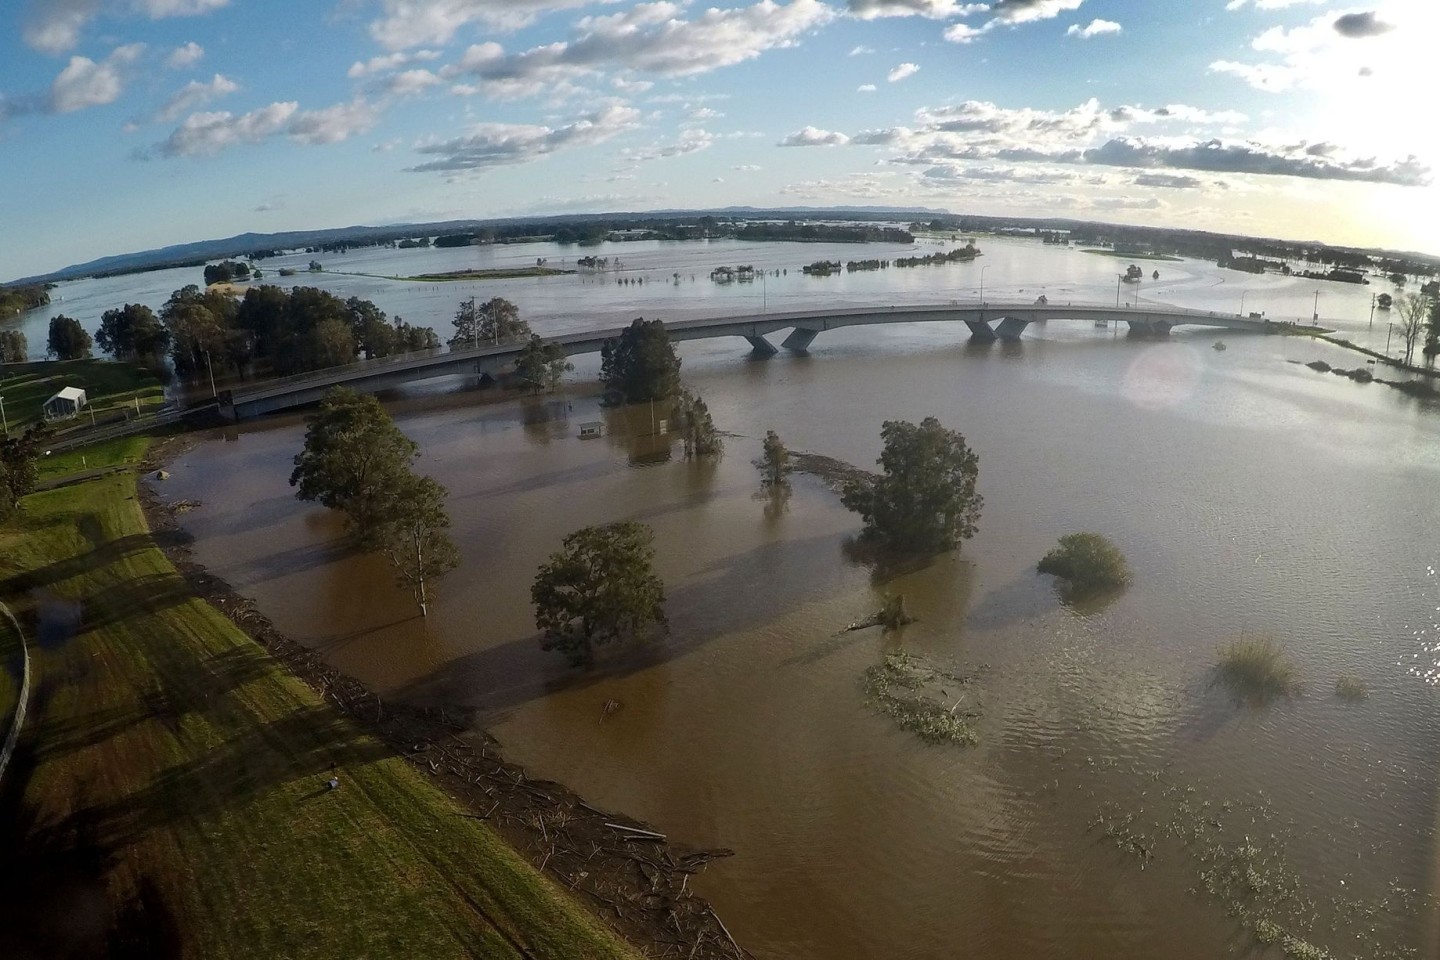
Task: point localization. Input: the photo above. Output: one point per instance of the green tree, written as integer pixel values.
(413, 536)
(355, 460)
(1432, 329)
(19, 459)
(1088, 562)
(13, 347)
(201, 327)
(774, 462)
(1414, 312)
(132, 332)
(598, 587)
(697, 428)
(542, 364)
(493, 322)
(373, 335)
(408, 338)
(640, 365)
(68, 340)
(924, 501)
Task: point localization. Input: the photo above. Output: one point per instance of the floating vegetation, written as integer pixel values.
(916, 696)
(1352, 688)
(1257, 668)
(892, 616)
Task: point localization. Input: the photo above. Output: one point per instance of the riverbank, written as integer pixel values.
(173, 780)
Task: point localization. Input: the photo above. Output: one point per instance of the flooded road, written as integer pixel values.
(1118, 804)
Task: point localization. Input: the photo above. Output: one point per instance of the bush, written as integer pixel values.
(1257, 667)
(1352, 688)
(1088, 562)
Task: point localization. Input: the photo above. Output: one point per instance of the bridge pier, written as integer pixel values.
(1148, 327)
(800, 339)
(980, 331)
(1011, 328)
(761, 347)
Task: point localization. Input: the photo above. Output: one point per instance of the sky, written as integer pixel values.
(131, 124)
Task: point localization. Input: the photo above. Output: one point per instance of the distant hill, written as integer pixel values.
(190, 254)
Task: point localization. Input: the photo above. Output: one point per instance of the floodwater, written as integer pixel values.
(1119, 804)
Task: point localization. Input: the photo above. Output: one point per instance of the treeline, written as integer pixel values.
(822, 232)
(278, 331)
(226, 272)
(958, 255)
(16, 300)
(702, 228)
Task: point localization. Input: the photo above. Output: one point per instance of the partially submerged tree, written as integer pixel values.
(542, 364)
(640, 365)
(67, 340)
(925, 500)
(598, 587)
(697, 428)
(413, 536)
(355, 460)
(774, 462)
(495, 321)
(1414, 312)
(1088, 562)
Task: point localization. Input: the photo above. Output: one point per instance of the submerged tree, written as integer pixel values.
(598, 587)
(640, 365)
(925, 500)
(1088, 562)
(413, 536)
(1414, 312)
(495, 321)
(542, 364)
(355, 460)
(697, 428)
(774, 462)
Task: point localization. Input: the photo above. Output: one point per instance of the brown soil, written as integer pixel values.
(635, 878)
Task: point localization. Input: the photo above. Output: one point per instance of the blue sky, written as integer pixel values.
(128, 124)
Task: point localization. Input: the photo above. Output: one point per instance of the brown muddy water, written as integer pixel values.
(1119, 804)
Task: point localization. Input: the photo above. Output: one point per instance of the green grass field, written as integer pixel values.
(25, 386)
(171, 750)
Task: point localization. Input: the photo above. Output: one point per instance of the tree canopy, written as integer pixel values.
(697, 428)
(132, 332)
(774, 462)
(18, 467)
(542, 364)
(640, 365)
(355, 460)
(495, 321)
(924, 501)
(13, 347)
(226, 271)
(68, 340)
(598, 587)
(1088, 562)
(413, 536)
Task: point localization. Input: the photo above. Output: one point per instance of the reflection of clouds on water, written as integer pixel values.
(1162, 376)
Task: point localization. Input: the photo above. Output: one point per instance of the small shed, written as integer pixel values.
(64, 405)
(591, 428)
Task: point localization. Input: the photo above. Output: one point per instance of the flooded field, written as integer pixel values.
(1118, 802)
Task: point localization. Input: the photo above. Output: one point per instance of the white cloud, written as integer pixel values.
(1095, 28)
(408, 83)
(690, 141)
(207, 134)
(1269, 4)
(861, 51)
(392, 61)
(902, 71)
(865, 88)
(814, 137)
(701, 114)
(746, 167)
(499, 144)
(186, 56)
(1009, 13)
(647, 38)
(626, 85)
(85, 83)
(54, 26)
(409, 23)
(192, 95)
(932, 9)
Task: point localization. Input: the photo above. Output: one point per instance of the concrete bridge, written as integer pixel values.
(986, 322)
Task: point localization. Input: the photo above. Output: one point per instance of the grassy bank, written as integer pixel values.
(497, 274)
(173, 766)
(107, 386)
(1133, 256)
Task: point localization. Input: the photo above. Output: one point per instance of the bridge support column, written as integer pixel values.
(980, 331)
(1011, 327)
(800, 339)
(1148, 328)
(761, 347)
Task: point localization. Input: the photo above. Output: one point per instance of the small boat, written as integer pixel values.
(1218, 345)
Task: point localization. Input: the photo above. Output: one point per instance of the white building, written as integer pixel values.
(65, 405)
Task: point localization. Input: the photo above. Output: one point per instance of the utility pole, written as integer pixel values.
(1118, 278)
(213, 392)
(1242, 302)
(982, 283)
(474, 327)
(4, 419)
(1315, 319)
(1372, 313)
